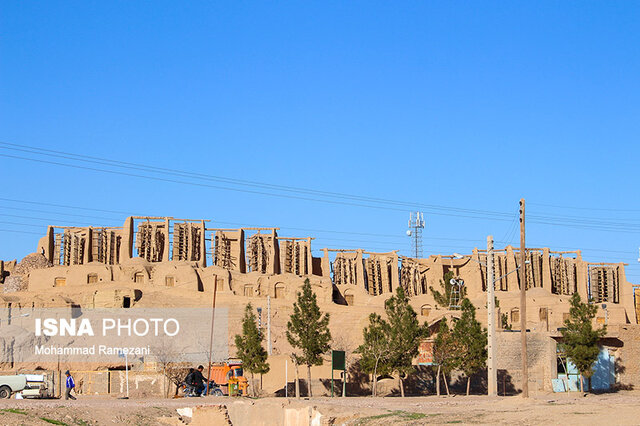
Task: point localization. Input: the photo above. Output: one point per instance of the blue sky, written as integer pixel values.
(468, 105)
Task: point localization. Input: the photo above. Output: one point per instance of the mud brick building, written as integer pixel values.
(171, 262)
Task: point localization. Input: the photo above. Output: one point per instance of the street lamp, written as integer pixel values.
(492, 372)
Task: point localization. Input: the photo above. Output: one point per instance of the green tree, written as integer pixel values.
(405, 334)
(470, 341)
(249, 346)
(504, 322)
(443, 354)
(444, 298)
(375, 349)
(580, 339)
(308, 331)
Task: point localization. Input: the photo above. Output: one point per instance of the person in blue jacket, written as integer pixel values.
(70, 385)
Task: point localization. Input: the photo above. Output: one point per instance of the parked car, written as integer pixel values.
(36, 386)
(11, 384)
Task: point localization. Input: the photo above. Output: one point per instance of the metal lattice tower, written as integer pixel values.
(456, 293)
(416, 225)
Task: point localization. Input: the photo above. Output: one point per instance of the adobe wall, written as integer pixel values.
(626, 349)
(541, 353)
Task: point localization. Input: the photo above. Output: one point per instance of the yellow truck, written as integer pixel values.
(229, 376)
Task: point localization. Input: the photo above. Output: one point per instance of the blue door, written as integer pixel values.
(603, 371)
(573, 378)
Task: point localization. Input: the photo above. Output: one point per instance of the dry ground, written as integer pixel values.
(619, 408)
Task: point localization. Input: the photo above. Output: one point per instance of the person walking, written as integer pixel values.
(71, 385)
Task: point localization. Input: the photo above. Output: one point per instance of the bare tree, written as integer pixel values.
(343, 343)
(174, 368)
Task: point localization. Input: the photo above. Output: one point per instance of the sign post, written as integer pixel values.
(124, 354)
(338, 363)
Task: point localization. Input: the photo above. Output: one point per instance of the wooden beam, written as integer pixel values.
(242, 229)
(169, 218)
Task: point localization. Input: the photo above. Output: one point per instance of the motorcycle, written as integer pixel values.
(190, 390)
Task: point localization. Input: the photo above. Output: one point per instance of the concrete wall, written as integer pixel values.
(242, 412)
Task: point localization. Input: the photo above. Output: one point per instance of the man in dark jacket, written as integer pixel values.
(189, 379)
(198, 380)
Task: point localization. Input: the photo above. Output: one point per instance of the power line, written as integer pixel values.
(589, 223)
(397, 237)
(585, 249)
(240, 190)
(584, 208)
(45, 219)
(57, 213)
(394, 239)
(153, 169)
(40, 203)
(21, 224)
(475, 214)
(19, 232)
(379, 202)
(511, 229)
(589, 227)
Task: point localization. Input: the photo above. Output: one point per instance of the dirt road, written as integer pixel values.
(621, 408)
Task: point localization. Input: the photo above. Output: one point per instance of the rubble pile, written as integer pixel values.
(17, 281)
(30, 262)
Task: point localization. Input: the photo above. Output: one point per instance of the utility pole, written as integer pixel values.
(523, 305)
(213, 317)
(492, 373)
(269, 348)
